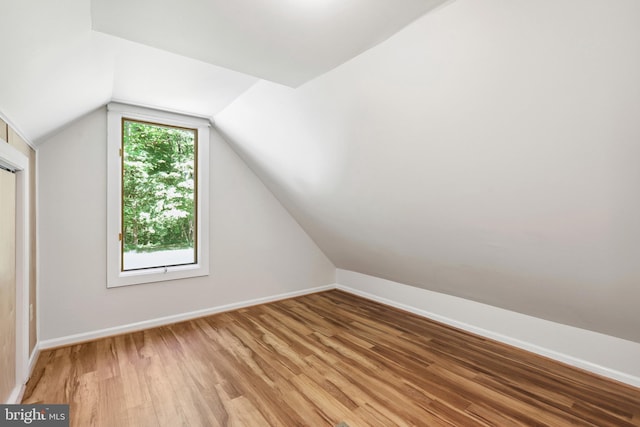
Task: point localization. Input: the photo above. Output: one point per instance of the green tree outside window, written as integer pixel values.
(158, 195)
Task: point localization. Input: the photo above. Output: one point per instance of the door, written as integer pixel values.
(7, 283)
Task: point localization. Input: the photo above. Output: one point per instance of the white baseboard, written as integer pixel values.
(152, 323)
(16, 394)
(605, 355)
(33, 359)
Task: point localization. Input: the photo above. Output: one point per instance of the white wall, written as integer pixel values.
(488, 151)
(257, 249)
(602, 354)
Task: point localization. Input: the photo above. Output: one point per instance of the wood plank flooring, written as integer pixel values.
(319, 360)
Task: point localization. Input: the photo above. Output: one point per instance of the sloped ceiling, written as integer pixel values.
(63, 59)
(57, 69)
(489, 151)
(285, 41)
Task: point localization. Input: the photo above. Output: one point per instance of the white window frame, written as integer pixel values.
(115, 276)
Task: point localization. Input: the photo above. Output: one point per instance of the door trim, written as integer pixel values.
(10, 156)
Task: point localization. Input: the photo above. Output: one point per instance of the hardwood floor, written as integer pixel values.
(319, 360)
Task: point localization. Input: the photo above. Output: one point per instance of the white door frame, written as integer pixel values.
(14, 159)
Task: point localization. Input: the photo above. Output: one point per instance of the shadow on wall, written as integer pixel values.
(593, 306)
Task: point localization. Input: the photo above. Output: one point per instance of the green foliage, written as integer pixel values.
(158, 187)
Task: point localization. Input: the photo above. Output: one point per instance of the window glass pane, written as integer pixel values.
(158, 195)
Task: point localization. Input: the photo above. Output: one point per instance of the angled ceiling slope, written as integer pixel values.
(285, 41)
(59, 70)
(489, 150)
(77, 55)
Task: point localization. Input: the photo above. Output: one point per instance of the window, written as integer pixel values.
(157, 196)
(159, 220)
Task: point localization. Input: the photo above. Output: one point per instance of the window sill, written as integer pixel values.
(158, 274)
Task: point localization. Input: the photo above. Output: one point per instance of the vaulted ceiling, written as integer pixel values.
(285, 41)
(488, 149)
(63, 59)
